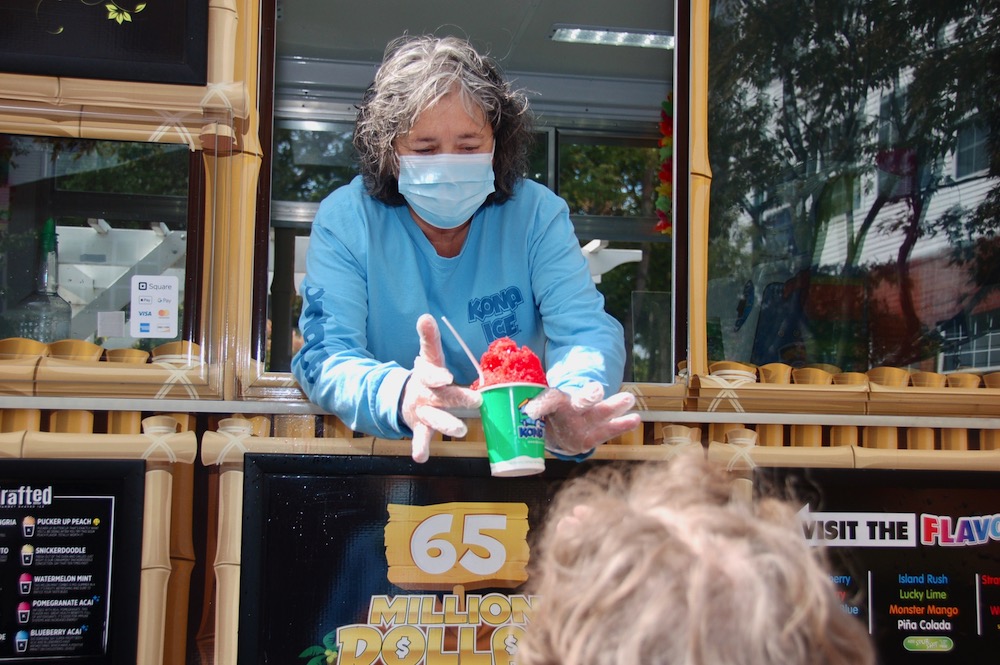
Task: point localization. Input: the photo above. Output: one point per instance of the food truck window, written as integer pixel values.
(608, 179)
(598, 113)
(119, 210)
(855, 186)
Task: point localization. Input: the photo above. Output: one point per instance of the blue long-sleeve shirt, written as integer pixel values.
(371, 272)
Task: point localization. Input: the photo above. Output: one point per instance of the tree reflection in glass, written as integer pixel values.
(856, 183)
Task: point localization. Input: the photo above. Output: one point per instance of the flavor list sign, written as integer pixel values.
(916, 555)
(361, 560)
(70, 535)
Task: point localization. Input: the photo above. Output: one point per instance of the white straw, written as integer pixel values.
(475, 363)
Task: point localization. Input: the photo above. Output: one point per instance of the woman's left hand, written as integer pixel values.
(578, 423)
(431, 391)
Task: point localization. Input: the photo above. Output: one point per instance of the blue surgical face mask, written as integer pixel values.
(445, 190)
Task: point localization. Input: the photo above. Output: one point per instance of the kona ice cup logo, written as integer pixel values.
(515, 443)
(23, 612)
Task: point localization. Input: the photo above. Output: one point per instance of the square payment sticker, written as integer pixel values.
(154, 305)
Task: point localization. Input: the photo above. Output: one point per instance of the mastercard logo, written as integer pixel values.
(164, 312)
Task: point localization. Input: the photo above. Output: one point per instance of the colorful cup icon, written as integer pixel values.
(28, 526)
(24, 583)
(21, 641)
(515, 443)
(23, 612)
(27, 554)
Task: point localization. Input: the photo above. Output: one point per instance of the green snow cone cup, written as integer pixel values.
(515, 443)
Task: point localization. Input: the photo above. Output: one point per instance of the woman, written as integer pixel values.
(442, 223)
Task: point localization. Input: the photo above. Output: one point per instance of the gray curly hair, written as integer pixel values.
(658, 564)
(417, 72)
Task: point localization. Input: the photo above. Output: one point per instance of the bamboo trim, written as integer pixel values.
(182, 553)
(21, 420)
(229, 545)
(247, 46)
(11, 444)
(156, 506)
(231, 192)
(178, 447)
(156, 380)
(237, 254)
(166, 376)
(227, 616)
(743, 458)
(938, 460)
(222, 93)
(227, 566)
(700, 192)
(221, 449)
(39, 117)
(260, 385)
(181, 558)
(152, 612)
(175, 623)
(205, 632)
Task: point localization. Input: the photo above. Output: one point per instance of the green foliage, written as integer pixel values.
(308, 165)
(322, 655)
(620, 180)
(608, 179)
(120, 167)
(49, 15)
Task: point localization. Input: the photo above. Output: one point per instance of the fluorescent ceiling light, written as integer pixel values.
(581, 34)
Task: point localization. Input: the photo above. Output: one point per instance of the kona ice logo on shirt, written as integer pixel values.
(497, 313)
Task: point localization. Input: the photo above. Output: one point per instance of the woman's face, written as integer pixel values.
(447, 128)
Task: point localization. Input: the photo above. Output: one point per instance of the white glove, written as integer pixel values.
(430, 390)
(578, 423)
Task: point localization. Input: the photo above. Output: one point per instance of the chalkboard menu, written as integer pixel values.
(70, 559)
(915, 555)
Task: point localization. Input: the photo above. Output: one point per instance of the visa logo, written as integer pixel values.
(145, 312)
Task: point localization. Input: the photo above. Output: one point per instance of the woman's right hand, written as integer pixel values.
(431, 390)
(576, 424)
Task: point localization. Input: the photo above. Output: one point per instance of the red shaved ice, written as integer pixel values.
(504, 362)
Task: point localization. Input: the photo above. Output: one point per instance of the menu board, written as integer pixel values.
(370, 559)
(915, 554)
(70, 559)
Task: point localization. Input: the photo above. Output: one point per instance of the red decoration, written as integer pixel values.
(665, 190)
